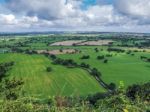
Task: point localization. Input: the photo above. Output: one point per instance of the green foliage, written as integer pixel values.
(48, 69)
(60, 81)
(10, 89)
(4, 67)
(139, 91)
(85, 57)
(100, 57)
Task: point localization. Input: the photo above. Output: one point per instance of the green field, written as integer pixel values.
(40, 83)
(120, 67)
(73, 81)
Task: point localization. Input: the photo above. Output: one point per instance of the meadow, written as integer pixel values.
(40, 83)
(63, 81)
(120, 67)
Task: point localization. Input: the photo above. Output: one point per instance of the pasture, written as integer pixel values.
(40, 83)
(120, 67)
(63, 81)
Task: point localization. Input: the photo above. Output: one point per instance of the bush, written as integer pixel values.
(112, 86)
(140, 91)
(96, 50)
(49, 69)
(85, 65)
(85, 57)
(116, 50)
(53, 56)
(100, 57)
(95, 72)
(10, 89)
(105, 61)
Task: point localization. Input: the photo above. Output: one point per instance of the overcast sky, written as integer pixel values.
(75, 15)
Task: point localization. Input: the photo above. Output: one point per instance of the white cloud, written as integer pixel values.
(136, 9)
(59, 14)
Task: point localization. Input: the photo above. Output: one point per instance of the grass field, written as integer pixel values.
(120, 67)
(40, 83)
(73, 81)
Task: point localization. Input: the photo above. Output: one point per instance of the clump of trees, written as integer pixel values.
(52, 56)
(10, 89)
(65, 62)
(129, 52)
(144, 58)
(96, 50)
(103, 58)
(84, 65)
(30, 52)
(4, 67)
(26, 51)
(100, 57)
(85, 57)
(116, 50)
(95, 73)
(109, 55)
(139, 91)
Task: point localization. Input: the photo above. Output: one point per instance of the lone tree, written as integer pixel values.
(95, 73)
(85, 57)
(49, 69)
(105, 61)
(100, 57)
(112, 86)
(96, 50)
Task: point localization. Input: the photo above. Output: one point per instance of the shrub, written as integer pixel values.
(105, 61)
(85, 57)
(140, 91)
(49, 69)
(116, 50)
(112, 86)
(96, 50)
(100, 57)
(85, 65)
(53, 56)
(95, 72)
(10, 89)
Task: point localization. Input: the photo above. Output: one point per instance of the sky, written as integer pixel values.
(75, 15)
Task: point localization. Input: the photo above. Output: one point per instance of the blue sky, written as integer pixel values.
(2, 1)
(91, 15)
(87, 3)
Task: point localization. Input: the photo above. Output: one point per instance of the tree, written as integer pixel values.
(140, 91)
(95, 72)
(85, 65)
(112, 86)
(53, 56)
(85, 57)
(96, 50)
(49, 69)
(105, 61)
(10, 89)
(100, 57)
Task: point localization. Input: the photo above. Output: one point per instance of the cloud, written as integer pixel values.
(135, 9)
(43, 9)
(69, 14)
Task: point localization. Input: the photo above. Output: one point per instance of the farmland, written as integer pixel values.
(74, 65)
(61, 81)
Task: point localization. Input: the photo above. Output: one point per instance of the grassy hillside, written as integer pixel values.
(40, 83)
(120, 67)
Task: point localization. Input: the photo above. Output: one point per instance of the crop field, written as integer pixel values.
(61, 81)
(31, 64)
